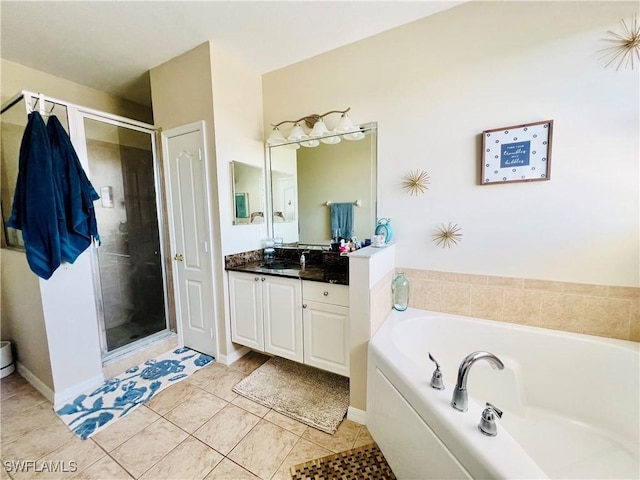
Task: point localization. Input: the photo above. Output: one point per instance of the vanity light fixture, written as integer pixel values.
(319, 131)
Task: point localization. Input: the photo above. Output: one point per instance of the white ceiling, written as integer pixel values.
(111, 45)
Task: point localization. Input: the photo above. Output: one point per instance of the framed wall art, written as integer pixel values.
(520, 153)
(242, 205)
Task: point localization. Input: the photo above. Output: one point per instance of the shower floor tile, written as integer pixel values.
(131, 331)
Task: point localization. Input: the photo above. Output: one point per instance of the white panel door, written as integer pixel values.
(245, 295)
(183, 150)
(282, 307)
(326, 336)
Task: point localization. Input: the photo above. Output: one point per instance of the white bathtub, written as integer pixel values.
(571, 402)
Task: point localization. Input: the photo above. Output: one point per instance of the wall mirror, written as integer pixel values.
(248, 194)
(306, 181)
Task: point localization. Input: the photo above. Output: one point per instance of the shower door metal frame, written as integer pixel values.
(76, 115)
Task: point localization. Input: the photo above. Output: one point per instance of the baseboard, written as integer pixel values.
(233, 356)
(61, 397)
(357, 415)
(35, 382)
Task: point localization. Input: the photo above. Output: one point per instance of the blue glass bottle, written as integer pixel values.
(400, 292)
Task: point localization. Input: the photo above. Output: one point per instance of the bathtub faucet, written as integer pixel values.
(460, 397)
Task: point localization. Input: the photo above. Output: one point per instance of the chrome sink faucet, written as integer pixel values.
(460, 398)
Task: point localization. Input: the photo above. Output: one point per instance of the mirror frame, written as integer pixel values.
(369, 129)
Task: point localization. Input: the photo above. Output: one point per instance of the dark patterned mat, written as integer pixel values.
(363, 463)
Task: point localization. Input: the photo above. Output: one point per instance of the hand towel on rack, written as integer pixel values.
(76, 192)
(342, 219)
(36, 203)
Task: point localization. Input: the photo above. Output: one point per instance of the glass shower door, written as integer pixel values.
(131, 279)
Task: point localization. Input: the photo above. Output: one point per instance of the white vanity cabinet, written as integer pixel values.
(325, 319)
(266, 313)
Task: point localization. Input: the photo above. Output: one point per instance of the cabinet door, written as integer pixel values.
(282, 300)
(245, 295)
(326, 336)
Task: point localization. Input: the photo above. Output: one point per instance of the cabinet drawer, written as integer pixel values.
(326, 293)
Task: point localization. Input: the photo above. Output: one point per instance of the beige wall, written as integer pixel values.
(15, 77)
(434, 85)
(22, 316)
(181, 94)
(237, 106)
(208, 84)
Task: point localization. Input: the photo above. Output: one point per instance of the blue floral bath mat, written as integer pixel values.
(93, 411)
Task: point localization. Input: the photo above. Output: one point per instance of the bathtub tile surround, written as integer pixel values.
(129, 448)
(93, 411)
(381, 303)
(602, 310)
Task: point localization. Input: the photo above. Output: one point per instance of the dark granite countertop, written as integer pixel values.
(313, 272)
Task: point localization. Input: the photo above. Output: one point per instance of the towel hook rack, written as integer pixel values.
(357, 203)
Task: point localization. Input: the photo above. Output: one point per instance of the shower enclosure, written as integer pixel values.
(119, 157)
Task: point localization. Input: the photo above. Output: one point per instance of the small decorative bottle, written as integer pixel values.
(400, 292)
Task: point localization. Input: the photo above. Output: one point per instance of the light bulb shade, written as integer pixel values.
(276, 137)
(357, 135)
(331, 140)
(310, 143)
(345, 125)
(319, 129)
(296, 133)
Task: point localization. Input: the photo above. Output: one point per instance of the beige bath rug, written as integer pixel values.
(363, 463)
(311, 396)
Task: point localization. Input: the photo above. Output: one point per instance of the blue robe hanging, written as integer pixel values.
(36, 201)
(77, 195)
(53, 201)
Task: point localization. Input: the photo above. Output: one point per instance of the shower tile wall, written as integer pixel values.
(116, 289)
(113, 254)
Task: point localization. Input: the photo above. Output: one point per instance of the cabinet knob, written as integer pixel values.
(263, 279)
(326, 294)
(304, 305)
(255, 279)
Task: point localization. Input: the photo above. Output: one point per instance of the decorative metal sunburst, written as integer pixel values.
(447, 235)
(625, 50)
(416, 182)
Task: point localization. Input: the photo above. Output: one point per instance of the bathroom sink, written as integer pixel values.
(280, 265)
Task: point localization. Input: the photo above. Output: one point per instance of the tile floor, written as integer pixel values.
(196, 429)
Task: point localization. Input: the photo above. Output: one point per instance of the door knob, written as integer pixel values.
(179, 257)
